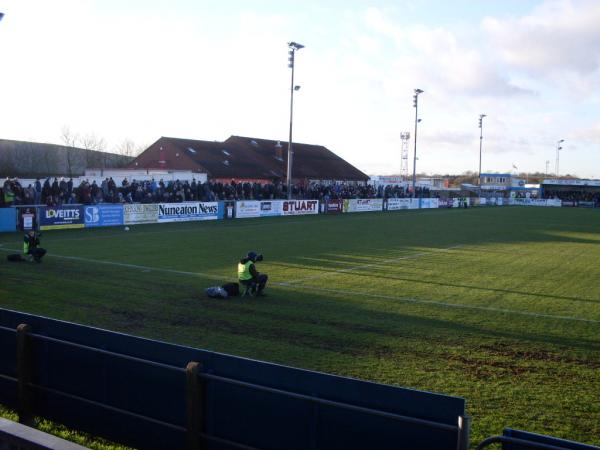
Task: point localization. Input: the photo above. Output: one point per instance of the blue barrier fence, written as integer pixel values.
(151, 394)
(8, 219)
(104, 215)
(524, 440)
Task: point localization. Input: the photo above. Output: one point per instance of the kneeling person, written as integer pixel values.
(31, 247)
(253, 281)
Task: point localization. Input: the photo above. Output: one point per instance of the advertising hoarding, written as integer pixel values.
(299, 207)
(247, 208)
(395, 204)
(52, 218)
(140, 213)
(334, 207)
(363, 204)
(188, 211)
(269, 208)
(103, 215)
(427, 203)
(445, 203)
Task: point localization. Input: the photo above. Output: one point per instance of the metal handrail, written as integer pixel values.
(511, 440)
(374, 412)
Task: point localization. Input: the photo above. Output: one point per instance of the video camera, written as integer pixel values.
(253, 256)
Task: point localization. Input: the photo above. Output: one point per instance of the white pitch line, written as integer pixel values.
(326, 273)
(334, 291)
(129, 266)
(438, 303)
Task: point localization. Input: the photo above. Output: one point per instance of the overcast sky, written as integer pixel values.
(141, 69)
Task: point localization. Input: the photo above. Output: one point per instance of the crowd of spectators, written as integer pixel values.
(574, 196)
(56, 192)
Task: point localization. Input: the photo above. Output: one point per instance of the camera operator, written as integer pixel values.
(31, 247)
(249, 277)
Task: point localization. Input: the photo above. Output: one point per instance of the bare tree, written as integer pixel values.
(70, 140)
(126, 148)
(94, 148)
(129, 148)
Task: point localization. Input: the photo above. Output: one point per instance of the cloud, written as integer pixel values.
(559, 35)
(454, 63)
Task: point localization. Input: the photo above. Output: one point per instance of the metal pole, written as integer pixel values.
(558, 149)
(557, 157)
(290, 149)
(480, 144)
(416, 105)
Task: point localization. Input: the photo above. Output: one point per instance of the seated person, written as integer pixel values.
(31, 247)
(249, 277)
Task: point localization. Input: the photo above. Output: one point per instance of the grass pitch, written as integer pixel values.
(498, 305)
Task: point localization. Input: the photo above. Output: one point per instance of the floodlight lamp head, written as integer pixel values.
(1, 15)
(561, 141)
(481, 116)
(295, 45)
(418, 91)
(296, 88)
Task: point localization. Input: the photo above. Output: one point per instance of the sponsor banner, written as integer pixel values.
(254, 208)
(103, 215)
(334, 207)
(188, 211)
(571, 204)
(300, 207)
(363, 204)
(247, 208)
(476, 201)
(459, 202)
(140, 213)
(394, 204)
(427, 203)
(270, 208)
(586, 204)
(61, 217)
(500, 201)
(445, 203)
(27, 217)
(572, 182)
(535, 202)
(482, 201)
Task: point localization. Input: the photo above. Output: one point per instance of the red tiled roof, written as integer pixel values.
(245, 158)
(310, 161)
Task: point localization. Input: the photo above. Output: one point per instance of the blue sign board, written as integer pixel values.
(103, 215)
(56, 217)
(8, 219)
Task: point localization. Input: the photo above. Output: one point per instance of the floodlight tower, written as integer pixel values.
(417, 120)
(481, 116)
(405, 137)
(293, 47)
(558, 149)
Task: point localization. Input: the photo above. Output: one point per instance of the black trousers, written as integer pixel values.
(257, 284)
(261, 282)
(37, 253)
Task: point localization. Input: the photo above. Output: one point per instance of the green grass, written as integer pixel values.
(497, 305)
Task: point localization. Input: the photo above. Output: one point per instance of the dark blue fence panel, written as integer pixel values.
(8, 219)
(254, 403)
(541, 439)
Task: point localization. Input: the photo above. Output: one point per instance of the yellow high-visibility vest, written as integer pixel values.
(244, 271)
